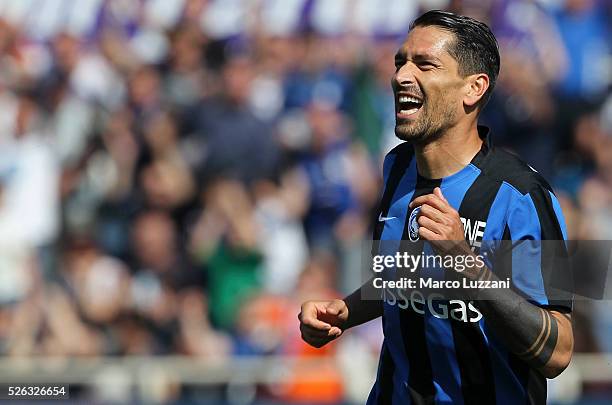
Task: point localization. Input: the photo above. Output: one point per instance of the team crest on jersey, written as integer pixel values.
(413, 225)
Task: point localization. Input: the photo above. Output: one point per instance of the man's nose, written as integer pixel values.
(405, 75)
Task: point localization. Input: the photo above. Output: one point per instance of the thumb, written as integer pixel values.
(438, 192)
(335, 307)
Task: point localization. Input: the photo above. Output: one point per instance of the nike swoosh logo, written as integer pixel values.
(383, 219)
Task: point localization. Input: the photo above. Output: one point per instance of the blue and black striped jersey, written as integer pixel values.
(429, 356)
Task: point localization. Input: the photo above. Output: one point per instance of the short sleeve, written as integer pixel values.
(539, 260)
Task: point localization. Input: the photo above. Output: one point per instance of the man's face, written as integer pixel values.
(426, 85)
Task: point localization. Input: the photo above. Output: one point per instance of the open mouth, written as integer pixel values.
(408, 105)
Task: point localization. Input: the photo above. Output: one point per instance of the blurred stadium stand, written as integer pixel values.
(146, 379)
(176, 177)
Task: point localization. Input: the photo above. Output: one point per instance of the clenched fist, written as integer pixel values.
(322, 321)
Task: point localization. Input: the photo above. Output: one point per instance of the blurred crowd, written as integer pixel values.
(176, 177)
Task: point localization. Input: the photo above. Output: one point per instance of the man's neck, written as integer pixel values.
(449, 153)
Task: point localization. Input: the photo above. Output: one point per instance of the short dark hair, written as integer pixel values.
(475, 48)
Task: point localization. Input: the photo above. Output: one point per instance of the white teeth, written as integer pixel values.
(409, 99)
(406, 99)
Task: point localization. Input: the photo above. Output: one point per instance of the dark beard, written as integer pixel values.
(416, 132)
(426, 129)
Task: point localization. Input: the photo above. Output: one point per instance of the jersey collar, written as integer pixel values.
(485, 134)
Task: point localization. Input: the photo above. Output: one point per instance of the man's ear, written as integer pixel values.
(477, 86)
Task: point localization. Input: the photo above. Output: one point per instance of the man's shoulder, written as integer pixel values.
(504, 166)
(499, 165)
(398, 157)
(404, 149)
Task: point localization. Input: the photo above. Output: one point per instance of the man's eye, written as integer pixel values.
(426, 65)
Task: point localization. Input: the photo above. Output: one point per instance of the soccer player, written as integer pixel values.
(445, 182)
